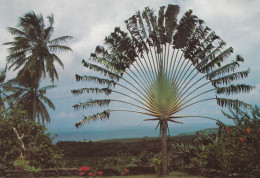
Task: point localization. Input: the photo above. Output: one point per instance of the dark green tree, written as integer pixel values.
(40, 151)
(3, 86)
(32, 98)
(162, 66)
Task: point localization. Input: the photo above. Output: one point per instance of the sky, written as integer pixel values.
(89, 21)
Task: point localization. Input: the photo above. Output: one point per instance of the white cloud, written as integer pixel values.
(65, 115)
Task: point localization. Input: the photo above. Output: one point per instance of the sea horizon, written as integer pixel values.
(120, 133)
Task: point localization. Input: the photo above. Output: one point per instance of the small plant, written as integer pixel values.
(87, 172)
(124, 171)
(25, 164)
(157, 165)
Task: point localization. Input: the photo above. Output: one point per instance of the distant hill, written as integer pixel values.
(208, 131)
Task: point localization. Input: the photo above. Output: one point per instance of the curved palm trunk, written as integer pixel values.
(164, 149)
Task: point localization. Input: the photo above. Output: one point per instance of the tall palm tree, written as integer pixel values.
(31, 98)
(162, 67)
(33, 49)
(3, 86)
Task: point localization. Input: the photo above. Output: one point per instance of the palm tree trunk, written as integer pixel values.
(164, 149)
(34, 108)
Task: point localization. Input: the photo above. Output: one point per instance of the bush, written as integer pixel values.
(235, 149)
(40, 151)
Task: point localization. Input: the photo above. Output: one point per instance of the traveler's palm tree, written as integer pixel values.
(31, 98)
(33, 49)
(162, 67)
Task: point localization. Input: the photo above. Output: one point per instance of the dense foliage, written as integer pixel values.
(235, 149)
(40, 151)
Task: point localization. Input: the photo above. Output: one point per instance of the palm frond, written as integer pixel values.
(224, 102)
(94, 79)
(101, 70)
(230, 78)
(59, 48)
(234, 89)
(62, 39)
(170, 21)
(106, 91)
(91, 103)
(99, 116)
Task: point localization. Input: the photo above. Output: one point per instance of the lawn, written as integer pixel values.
(172, 174)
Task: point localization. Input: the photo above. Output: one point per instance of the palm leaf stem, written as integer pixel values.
(147, 92)
(170, 69)
(180, 117)
(150, 106)
(179, 69)
(182, 76)
(140, 112)
(173, 66)
(184, 107)
(193, 91)
(149, 110)
(168, 53)
(190, 99)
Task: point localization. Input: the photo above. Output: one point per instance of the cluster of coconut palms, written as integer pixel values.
(32, 56)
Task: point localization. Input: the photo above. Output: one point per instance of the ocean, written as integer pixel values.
(127, 132)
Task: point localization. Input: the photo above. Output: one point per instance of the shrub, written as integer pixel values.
(40, 151)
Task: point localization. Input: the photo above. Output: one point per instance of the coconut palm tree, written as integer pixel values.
(162, 67)
(33, 49)
(3, 86)
(32, 98)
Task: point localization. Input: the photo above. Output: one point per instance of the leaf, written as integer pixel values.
(230, 78)
(107, 91)
(105, 72)
(234, 89)
(91, 103)
(101, 81)
(224, 102)
(171, 20)
(99, 116)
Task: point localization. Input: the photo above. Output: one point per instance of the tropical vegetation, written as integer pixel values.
(161, 67)
(24, 139)
(235, 149)
(33, 54)
(39, 151)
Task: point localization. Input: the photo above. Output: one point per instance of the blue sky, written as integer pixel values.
(89, 21)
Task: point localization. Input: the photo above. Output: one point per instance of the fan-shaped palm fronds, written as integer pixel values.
(162, 67)
(33, 49)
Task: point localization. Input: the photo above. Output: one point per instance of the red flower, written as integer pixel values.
(86, 168)
(126, 170)
(82, 168)
(94, 175)
(82, 173)
(122, 173)
(228, 130)
(99, 173)
(241, 139)
(248, 130)
(90, 174)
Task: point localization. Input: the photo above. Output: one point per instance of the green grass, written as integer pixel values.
(172, 174)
